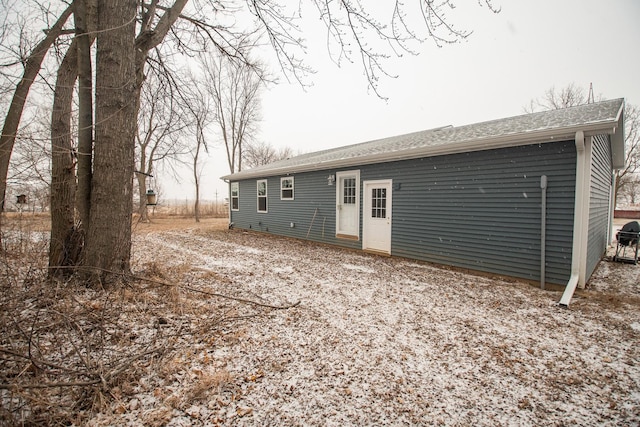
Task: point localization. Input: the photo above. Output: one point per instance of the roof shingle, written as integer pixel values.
(546, 126)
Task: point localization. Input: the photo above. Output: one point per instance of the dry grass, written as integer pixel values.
(165, 223)
(68, 352)
(41, 222)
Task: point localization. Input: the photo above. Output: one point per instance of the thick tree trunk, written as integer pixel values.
(64, 247)
(85, 15)
(108, 241)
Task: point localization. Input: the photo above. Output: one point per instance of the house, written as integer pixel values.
(527, 196)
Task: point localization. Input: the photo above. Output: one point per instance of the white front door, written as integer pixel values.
(348, 204)
(376, 216)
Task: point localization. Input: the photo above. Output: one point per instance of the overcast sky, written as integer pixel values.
(511, 58)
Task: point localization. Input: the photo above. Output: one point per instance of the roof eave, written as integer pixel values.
(476, 144)
(618, 158)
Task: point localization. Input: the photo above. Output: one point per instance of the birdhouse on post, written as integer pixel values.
(22, 199)
(151, 198)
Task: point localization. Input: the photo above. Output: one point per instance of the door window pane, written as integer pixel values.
(349, 191)
(378, 203)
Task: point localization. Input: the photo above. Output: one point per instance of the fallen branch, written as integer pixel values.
(188, 288)
(50, 385)
(246, 301)
(215, 294)
(102, 378)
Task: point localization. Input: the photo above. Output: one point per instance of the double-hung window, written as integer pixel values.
(235, 196)
(262, 195)
(286, 188)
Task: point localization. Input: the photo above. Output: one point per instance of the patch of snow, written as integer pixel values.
(405, 343)
(358, 268)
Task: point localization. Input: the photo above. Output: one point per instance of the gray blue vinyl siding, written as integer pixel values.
(482, 210)
(479, 210)
(312, 210)
(599, 207)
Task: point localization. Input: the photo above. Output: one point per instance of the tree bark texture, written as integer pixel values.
(142, 191)
(85, 15)
(108, 241)
(64, 248)
(196, 180)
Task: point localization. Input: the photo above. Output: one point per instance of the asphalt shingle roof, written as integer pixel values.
(546, 126)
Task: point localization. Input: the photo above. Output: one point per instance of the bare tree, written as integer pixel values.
(64, 246)
(628, 178)
(355, 28)
(32, 62)
(161, 130)
(108, 236)
(573, 95)
(85, 17)
(350, 27)
(201, 144)
(198, 102)
(235, 91)
(262, 153)
(570, 96)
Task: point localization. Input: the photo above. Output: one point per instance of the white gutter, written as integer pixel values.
(435, 148)
(578, 223)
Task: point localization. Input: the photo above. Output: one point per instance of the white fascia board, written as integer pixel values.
(618, 157)
(476, 144)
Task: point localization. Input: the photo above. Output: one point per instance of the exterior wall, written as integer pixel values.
(478, 210)
(600, 192)
(312, 211)
(482, 210)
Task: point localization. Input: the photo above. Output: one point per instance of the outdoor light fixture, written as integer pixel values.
(331, 179)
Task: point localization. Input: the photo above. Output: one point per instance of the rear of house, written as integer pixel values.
(527, 196)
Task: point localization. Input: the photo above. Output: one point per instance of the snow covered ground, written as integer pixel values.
(377, 341)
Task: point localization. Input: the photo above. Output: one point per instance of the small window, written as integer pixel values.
(378, 203)
(286, 188)
(235, 196)
(262, 195)
(349, 193)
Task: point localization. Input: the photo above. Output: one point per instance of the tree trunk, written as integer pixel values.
(85, 15)
(108, 241)
(14, 114)
(64, 247)
(142, 191)
(196, 205)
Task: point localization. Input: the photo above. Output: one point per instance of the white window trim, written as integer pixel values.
(293, 186)
(237, 196)
(266, 194)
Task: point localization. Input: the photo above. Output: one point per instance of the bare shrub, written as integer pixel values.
(66, 350)
(70, 354)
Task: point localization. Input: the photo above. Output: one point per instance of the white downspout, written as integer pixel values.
(577, 221)
(612, 207)
(586, 206)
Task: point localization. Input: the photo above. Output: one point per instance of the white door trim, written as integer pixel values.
(376, 230)
(352, 229)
